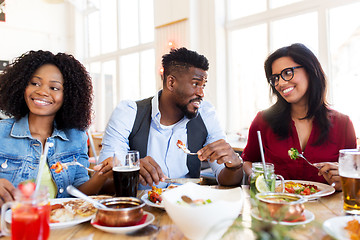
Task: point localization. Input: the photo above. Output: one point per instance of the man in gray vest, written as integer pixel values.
(154, 125)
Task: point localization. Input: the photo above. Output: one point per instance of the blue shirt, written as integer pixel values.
(22, 154)
(162, 139)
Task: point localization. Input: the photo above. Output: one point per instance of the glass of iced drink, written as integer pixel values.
(349, 170)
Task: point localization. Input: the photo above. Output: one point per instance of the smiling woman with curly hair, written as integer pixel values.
(49, 99)
(76, 109)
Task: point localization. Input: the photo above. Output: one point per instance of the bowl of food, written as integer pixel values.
(121, 212)
(205, 213)
(280, 206)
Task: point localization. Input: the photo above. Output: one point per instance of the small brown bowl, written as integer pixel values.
(123, 211)
(281, 206)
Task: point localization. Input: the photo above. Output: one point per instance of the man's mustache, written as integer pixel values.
(195, 100)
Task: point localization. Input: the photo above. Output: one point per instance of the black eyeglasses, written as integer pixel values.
(287, 74)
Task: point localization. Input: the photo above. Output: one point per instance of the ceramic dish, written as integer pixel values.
(309, 216)
(123, 230)
(150, 203)
(207, 221)
(325, 189)
(71, 223)
(335, 226)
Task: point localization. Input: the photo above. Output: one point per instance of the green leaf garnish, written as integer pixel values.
(293, 153)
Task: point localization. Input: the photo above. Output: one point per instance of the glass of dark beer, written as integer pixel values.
(126, 173)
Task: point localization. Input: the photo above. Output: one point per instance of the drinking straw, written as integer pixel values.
(262, 153)
(92, 145)
(41, 166)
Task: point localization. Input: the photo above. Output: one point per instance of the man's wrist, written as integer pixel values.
(239, 166)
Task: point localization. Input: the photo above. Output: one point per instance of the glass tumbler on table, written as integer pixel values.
(261, 183)
(126, 171)
(349, 171)
(30, 216)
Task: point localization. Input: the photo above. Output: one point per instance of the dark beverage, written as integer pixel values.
(126, 180)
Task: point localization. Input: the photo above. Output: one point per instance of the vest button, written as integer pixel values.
(61, 190)
(51, 144)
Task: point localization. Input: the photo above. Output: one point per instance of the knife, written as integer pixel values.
(183, 180)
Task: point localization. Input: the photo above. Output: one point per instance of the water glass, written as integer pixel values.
(261, 183)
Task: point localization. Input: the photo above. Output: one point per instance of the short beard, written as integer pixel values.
(186, 112)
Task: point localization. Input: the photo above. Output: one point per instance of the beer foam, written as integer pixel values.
(126, 168)
(349, 174)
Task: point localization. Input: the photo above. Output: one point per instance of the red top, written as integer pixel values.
(341, 136)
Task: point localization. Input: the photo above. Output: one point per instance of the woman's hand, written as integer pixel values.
(105, 168)
(6, 191)
(330, 171)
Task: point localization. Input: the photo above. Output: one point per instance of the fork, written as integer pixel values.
(303, 157)
(187, 151)
(182, 146)
(74, 163)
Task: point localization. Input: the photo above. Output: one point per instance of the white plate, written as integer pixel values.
(123, 230)
(325, 189)
(335, 226)
(77, 220)
(150, 203)
(309, 216)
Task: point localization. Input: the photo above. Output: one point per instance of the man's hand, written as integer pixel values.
(330, 171)
(6, 191)
(220, 151)
(150, 172)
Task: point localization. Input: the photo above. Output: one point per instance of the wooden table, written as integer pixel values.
(323, 209)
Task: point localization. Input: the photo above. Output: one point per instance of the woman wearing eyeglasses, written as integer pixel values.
(300, 119)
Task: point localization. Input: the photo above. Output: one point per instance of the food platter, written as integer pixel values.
(325, 189)
(309, 216)
(150, 203)
(335, 226)
(75, 221)
(123, 230)
(146, 199)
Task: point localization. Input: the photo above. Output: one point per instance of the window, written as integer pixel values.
(344, 45)
(120, 54)
(329, 28)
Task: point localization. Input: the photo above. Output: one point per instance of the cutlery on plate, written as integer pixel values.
(182, 180)
(77, 193)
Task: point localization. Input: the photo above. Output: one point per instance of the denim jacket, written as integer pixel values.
(22, 152)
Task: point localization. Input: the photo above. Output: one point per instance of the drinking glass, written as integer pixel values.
(349, 170)
(30, 216)
(261, 183)
(126, 171)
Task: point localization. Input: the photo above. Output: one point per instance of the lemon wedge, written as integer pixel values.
(261, 184)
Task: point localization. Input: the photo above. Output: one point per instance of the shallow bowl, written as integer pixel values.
(281, 206)
(121, 212)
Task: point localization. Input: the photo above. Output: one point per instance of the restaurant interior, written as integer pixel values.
(121, 42)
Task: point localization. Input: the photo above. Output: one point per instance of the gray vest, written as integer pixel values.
(196, 135)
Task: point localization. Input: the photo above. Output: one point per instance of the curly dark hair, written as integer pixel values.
(182, 59)
(76, 110)
(278, 115)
